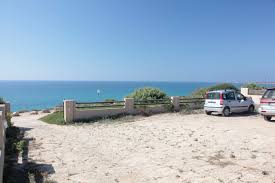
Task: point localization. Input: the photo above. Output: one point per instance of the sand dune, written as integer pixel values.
(162, 148)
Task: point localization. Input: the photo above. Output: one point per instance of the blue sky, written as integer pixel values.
(156, 40)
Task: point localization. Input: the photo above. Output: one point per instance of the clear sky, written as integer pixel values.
(156, 40)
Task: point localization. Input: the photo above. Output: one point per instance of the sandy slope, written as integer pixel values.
(162, 148)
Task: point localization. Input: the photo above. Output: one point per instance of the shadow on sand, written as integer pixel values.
(244, 114)
(19, 169)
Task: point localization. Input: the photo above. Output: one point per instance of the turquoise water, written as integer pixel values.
(46, 94)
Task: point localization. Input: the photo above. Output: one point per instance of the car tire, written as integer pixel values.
(268, 118)
(251, 109)
(226, 112)
(208, 112)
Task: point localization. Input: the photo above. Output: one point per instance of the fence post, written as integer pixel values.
(176, 103)
(3, 109)
(129, 105)
(1, 131)
(69, 110)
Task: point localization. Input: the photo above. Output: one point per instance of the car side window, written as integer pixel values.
(230, 96)
(240, 96)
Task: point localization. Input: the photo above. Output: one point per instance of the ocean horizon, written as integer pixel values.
(32, 95)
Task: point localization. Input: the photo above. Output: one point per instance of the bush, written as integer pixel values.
(148, 94)
(20, 145)
(8, 118)
(253, 86)
(14, 144)
(225, 86)
(2, 101)
(199, 92)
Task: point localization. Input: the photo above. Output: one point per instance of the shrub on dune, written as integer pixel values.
(148, 93)
(224, 86)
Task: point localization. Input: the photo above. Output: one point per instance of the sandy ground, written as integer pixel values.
(162, 148)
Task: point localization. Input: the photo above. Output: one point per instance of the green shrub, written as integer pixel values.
(8, 118)
(20, 145)
(148, 93)
(2, 101)
(224, 86)
(199, 92)
(253, 86)
(13, 144)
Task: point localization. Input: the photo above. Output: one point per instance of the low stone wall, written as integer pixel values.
(256, 98)
(97, 113)
(72, 114)
(150, 110)
(2, 143)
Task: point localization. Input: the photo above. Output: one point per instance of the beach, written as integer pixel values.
(162, 148)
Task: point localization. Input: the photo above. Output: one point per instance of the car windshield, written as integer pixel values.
(269, 94)
(213, 95)
(240, 96)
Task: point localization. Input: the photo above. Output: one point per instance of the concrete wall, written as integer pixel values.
(71, 113)
(2, 144)
(255, 98)
(4, 113)
(150, 110)
(97, 113)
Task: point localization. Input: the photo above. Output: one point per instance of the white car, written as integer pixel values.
(267, 107)
(226, 102)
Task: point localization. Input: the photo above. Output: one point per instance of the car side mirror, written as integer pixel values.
(245, 98)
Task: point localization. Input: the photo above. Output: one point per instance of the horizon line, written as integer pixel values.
(130, 81)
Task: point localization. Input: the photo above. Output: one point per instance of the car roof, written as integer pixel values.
(221, 91)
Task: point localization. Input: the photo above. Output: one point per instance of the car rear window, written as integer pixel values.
(269, 94)
(213, 95)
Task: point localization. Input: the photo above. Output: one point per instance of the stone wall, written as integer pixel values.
(2, 143)
(72, 114)
(255, 98)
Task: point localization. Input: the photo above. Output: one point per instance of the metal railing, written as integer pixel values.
(183, 102)
(152, 102)
(94, 105)
(191, 103)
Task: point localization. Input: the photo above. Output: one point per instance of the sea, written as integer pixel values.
(35, 95)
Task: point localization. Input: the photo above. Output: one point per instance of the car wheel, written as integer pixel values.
(251, 109)
(268, 118)
(226, 112)
(208, 112)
